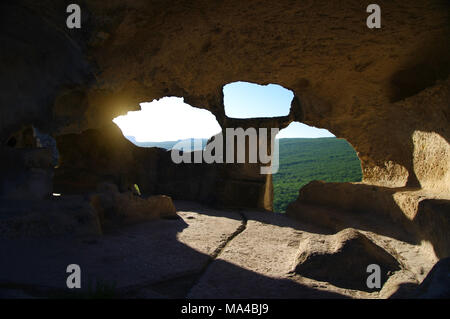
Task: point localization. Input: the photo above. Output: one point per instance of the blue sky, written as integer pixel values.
(247, 100)
(170, 119)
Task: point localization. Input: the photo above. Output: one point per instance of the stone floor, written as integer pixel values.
(206, 253)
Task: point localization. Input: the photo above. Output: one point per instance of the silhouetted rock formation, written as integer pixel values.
(124, 208)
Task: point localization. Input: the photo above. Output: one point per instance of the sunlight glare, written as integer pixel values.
(168, 119)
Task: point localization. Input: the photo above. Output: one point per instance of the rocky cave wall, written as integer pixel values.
(104, 155)
(386, 91)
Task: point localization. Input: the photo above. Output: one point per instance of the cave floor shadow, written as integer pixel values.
(155, 259)
(278, 231)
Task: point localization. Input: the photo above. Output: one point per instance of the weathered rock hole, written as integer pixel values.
(164, 122)
(350, 252)
(249, 100)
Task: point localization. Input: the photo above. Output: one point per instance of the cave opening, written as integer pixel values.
(307, 153)
(168, 122)
(131, 153)
(245, 100)
(162, 128)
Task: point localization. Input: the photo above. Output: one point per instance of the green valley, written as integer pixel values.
(305, 159)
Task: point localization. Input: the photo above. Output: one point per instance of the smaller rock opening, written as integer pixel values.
(247, 100)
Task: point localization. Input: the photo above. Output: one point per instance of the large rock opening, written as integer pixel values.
(359, 109)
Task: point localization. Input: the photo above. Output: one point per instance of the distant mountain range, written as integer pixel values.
(168, 145)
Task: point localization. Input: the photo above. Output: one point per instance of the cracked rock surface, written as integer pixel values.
(206, 253)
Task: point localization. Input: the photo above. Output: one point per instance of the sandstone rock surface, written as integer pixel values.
(417, 214)
(113, 206)
(207, 253)
(258, 263)
(342, 259)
